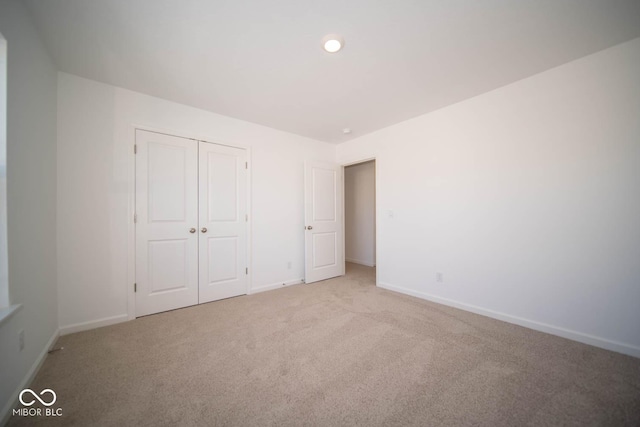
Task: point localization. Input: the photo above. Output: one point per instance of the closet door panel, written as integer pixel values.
(167, 213)
(222, 187)
(223, 226)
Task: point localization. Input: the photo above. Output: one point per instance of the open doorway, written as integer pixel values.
(360, 215)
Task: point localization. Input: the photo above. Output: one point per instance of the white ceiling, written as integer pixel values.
(261, 61)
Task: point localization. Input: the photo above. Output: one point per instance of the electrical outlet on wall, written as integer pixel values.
(439, 278)
(21, 339)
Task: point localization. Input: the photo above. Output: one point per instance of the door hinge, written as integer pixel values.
(135, 218)
(246, 165)
(246, 270)
(246, 217)
(135, 287)
(135, 148)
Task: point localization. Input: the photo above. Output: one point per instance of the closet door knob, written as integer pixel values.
(309, 227)
(204, 229)
(192, 230)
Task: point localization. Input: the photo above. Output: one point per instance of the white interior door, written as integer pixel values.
(223, 222)
(166, 221)
(324, 236)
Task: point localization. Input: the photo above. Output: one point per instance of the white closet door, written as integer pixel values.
(324, 236)
(167, 221)
(223, 226)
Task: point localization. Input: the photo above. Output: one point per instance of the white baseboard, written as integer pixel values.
(357, 261)
(275, 286)
(7, 411)
(93, 324)
(618, 347)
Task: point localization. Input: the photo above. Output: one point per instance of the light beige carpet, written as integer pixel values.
(339, 352)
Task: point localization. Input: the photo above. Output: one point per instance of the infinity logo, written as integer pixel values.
(36, 397)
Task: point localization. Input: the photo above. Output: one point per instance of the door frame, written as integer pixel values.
(131, 205)
(375, 208)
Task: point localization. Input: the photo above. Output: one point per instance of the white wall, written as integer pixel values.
(31, 203)
(359, 213)
(526, 199)
(95, 165)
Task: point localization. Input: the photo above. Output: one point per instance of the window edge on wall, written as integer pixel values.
(7, 312)
(5, 301)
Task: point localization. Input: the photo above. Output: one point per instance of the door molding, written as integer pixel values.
(131, 203)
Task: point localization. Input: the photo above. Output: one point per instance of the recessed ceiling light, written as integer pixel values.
(332, 43)
(346, 131)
